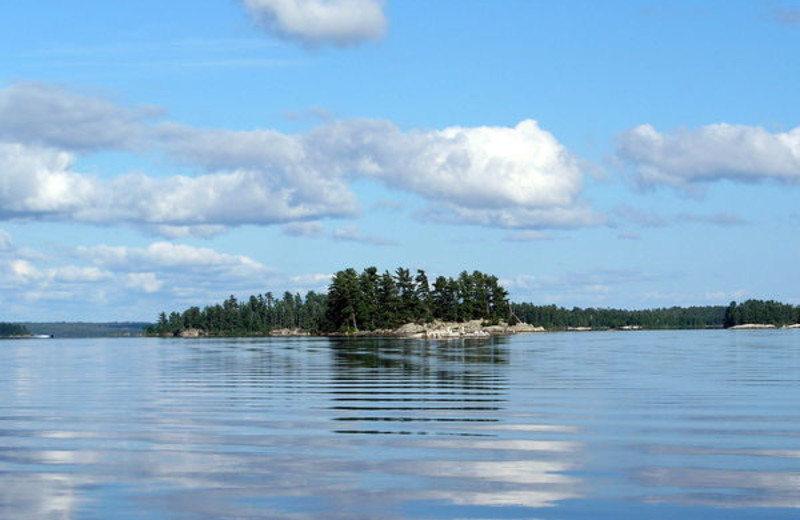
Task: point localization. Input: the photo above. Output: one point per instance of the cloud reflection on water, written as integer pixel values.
(254, 429)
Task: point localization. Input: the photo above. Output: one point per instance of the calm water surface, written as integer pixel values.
(644, 425)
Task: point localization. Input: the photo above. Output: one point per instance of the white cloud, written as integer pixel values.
(24, 271)
(37, 181)
(147, 282)
(47, 115)
(579, 215)
(495, 176)
(479, 167)
(198, 231)
(320, 22)
(40, 183)
(511, 177)
(165, 256)
(74, 274)
(710, 153)
(225, 198)
(308, 282)
(312, 279)
(121, 282)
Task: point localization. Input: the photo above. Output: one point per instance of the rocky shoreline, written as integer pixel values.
(433, 330)
(760, 326)
(450, 330)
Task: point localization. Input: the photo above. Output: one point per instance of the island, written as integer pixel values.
(403, 303)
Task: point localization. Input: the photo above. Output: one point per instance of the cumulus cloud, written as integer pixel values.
(166, 256)
(510, 177)
(198, 231)
(320, 22)
(710, 153)
(23, 271)
(517, 176)
(478, 167)
(75, 274)
(303, 283)
(40, 183)
(130, 282)
(47, 115)
(312, 279)
(146, 282)
(513, 177)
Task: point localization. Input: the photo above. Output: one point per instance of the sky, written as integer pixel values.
(157, 155)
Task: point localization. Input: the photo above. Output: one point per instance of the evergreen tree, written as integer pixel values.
(369, 282)
(388, 302)
(344, 300)
(407, 298)
(424, 312)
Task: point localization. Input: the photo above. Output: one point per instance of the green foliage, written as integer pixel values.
(13, 329)
(367, 301)
(767, 312)
(257, 316)
(553, 317)
(88, 329)
(355, 301)
(370, 300)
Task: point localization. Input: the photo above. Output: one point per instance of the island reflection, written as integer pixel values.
(313, 427)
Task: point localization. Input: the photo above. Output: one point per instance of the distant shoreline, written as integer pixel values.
(449, 330)
(29, 336)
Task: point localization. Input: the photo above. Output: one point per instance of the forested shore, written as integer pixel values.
(13, 330)
(371, 301)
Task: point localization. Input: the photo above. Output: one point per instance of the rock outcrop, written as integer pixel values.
(753, 326)
(191, 333)
(453, 330)
(289, 332)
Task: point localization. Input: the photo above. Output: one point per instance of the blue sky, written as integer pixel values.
(157, 155)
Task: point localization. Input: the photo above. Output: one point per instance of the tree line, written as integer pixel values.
(13, 329)
(697, 317)
(256, 316)
(365, 301)
(759, 311)
(371, 300)
(553, 317)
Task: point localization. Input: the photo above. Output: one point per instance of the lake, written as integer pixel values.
(595, 425)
